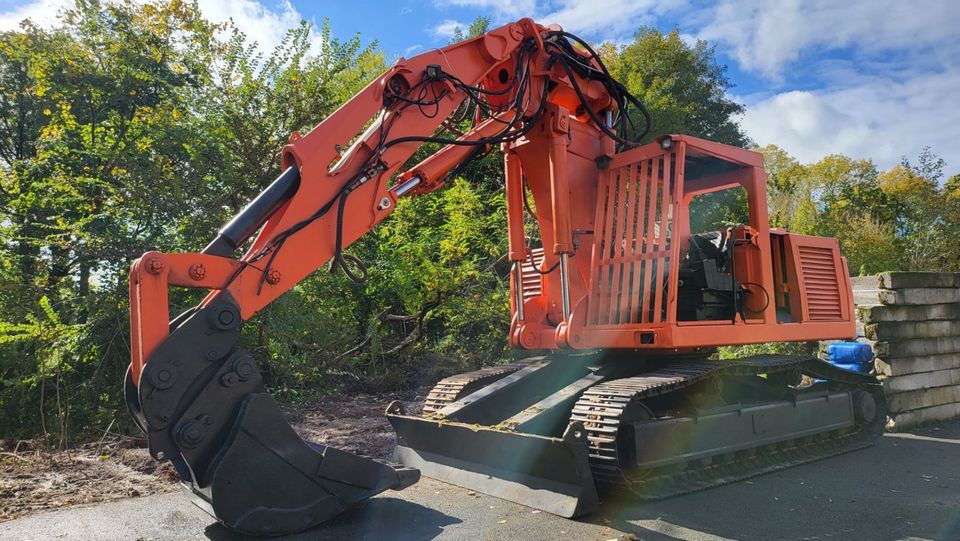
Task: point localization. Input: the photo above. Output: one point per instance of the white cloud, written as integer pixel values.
(448, 28)
(412, 49)
(264, 25)
(882, 120)
(766, 36)
(41, 12)
(609, 19)
(260, 23)
(876, 75)
(612, 20)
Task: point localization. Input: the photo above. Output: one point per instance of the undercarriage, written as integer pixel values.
(561, 432)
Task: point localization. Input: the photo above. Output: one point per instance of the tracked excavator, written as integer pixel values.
(617, 294)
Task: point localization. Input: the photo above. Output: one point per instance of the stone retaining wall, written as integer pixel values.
(912, 319)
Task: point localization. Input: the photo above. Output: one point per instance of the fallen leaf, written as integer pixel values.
(501, 522)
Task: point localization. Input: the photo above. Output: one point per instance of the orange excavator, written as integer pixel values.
(617, 290)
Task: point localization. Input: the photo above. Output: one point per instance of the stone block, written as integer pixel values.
(911, 419)
(917, 346)
(923, 398)
(899, 366)
(879, 313)
(909, 296)
(866, 297)
(903, 280)
(911, 329)
(923, 380)
(865, 282)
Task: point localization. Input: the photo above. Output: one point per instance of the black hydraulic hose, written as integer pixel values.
(339, 258)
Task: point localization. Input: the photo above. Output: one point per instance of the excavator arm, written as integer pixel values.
(199, 398)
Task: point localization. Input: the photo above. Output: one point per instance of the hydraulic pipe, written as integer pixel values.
(434, 169)
(255, 214)
(565, 285)
(518, 289)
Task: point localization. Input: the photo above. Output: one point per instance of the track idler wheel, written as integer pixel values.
(864, 407)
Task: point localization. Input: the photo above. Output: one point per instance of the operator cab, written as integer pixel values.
(719, 229)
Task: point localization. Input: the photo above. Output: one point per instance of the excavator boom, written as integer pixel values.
(620, 286)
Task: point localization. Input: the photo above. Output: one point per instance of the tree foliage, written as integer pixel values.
(682, 85)
(899, 219)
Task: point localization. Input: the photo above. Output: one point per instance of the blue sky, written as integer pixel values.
(875, 79)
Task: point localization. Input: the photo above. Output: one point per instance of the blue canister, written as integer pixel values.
(849, 353)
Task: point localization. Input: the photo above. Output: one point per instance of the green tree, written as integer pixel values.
(786, 189)
(950, 250)
(479, 26)
(917, 203)
(682, 85)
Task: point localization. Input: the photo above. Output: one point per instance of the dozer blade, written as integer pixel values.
(551, 474)
(208, 413)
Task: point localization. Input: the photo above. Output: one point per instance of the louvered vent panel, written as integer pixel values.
(532, 285)
(820, 281)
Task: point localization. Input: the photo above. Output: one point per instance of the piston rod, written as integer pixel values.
(518, 289)
(248, 221)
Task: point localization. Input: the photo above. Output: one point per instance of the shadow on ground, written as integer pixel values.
(369, 520)
(905, 487)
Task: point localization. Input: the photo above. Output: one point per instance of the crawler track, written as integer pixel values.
(449, 390)
(602, 408)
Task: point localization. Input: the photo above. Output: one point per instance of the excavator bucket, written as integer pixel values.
(269, 481)
(208, 413)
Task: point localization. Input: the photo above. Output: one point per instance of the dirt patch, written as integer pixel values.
(355, 423)
(41, 480)
(34, 480)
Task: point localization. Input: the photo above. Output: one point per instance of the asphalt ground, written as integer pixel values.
(905, 488)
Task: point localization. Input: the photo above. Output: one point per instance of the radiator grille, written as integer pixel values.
(631, 253)
(820, 282)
